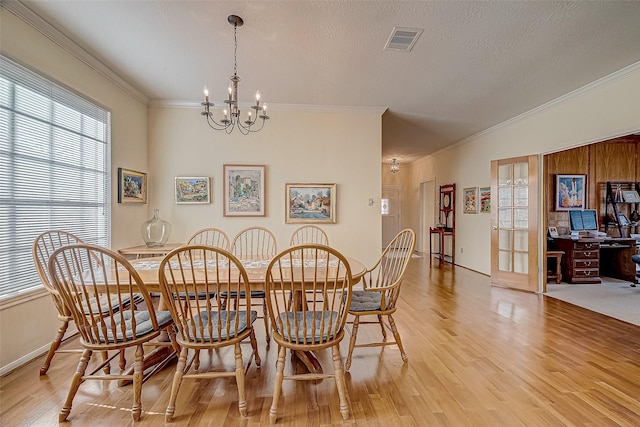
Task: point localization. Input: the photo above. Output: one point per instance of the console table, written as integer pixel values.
(143, 251)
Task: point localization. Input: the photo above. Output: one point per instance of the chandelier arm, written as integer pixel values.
(230, 127)
(258, 129)
(243, 130)
(213, 124)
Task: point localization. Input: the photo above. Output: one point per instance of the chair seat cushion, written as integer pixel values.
(106, 303)
(297, 326)
(142, 321)
(254, 294)
(206, 334)
(365, 301)
(194, 296)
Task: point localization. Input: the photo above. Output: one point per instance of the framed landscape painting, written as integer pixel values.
(193, 190)
(132, 186)
(244, 190)
(310, 203)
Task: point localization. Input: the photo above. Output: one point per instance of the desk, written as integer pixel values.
(143, 251)
(615, 259)
(588, 258)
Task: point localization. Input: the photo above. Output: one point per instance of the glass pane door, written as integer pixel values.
(513, 218)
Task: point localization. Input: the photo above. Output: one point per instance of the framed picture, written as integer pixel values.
(485, 199)
(553, 232)
(570, 192)
(470, 200)
(623, 220)
(244, 190)
(631, 196)
(193, 190)
(310, 203)
(132, 186)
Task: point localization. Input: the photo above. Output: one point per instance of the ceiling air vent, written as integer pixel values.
(403, 38)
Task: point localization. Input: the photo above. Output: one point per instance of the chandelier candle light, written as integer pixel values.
(394, 167)
(231, 117)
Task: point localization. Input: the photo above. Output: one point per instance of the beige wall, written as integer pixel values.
(31, 325)
(297, 147)
(607, 110)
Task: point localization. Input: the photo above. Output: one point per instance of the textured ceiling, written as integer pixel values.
(477, 64)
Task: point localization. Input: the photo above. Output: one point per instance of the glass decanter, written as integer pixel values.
(155, 231)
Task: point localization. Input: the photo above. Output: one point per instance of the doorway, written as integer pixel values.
(390, 213)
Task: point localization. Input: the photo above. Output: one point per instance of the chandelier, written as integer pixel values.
(394, 166)
(231, 113)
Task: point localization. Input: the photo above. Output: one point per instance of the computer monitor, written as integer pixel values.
(586, 220)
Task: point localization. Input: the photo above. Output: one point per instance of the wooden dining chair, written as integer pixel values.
(43, 247)
(309, 325)
(254, 243)
(309, 234)
(81, 273)
(210, 236)
(205, 324)
(381, 288)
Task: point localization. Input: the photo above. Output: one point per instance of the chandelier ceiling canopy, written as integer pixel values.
(231, 113)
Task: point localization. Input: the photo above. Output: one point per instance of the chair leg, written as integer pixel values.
(384, 330)
(392, 323)
(177, 379)
(265, 315)
(254, 347)
(242, 398)
(340, 383)
(138, 368)
(172, 337)
(352, 341)
(277, 385)
(196, 360)
(55, 344)
(75, 383)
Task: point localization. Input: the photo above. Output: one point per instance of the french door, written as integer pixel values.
(514, 223)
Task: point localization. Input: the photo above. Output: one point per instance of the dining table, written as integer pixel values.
(148, 268)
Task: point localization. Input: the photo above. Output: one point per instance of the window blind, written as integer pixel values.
(54, 170)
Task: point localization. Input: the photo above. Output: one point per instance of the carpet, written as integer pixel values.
(614, 298)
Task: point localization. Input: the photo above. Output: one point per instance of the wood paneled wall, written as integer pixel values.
(612, 160)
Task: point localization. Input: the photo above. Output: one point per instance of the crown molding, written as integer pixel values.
(164, 103)
(23, 12)
(616, 75)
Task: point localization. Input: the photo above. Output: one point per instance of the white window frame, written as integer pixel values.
(47, 132)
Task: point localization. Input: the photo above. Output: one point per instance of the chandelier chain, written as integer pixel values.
(231, 114)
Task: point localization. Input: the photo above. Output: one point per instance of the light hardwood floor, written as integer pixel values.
(478, 356)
